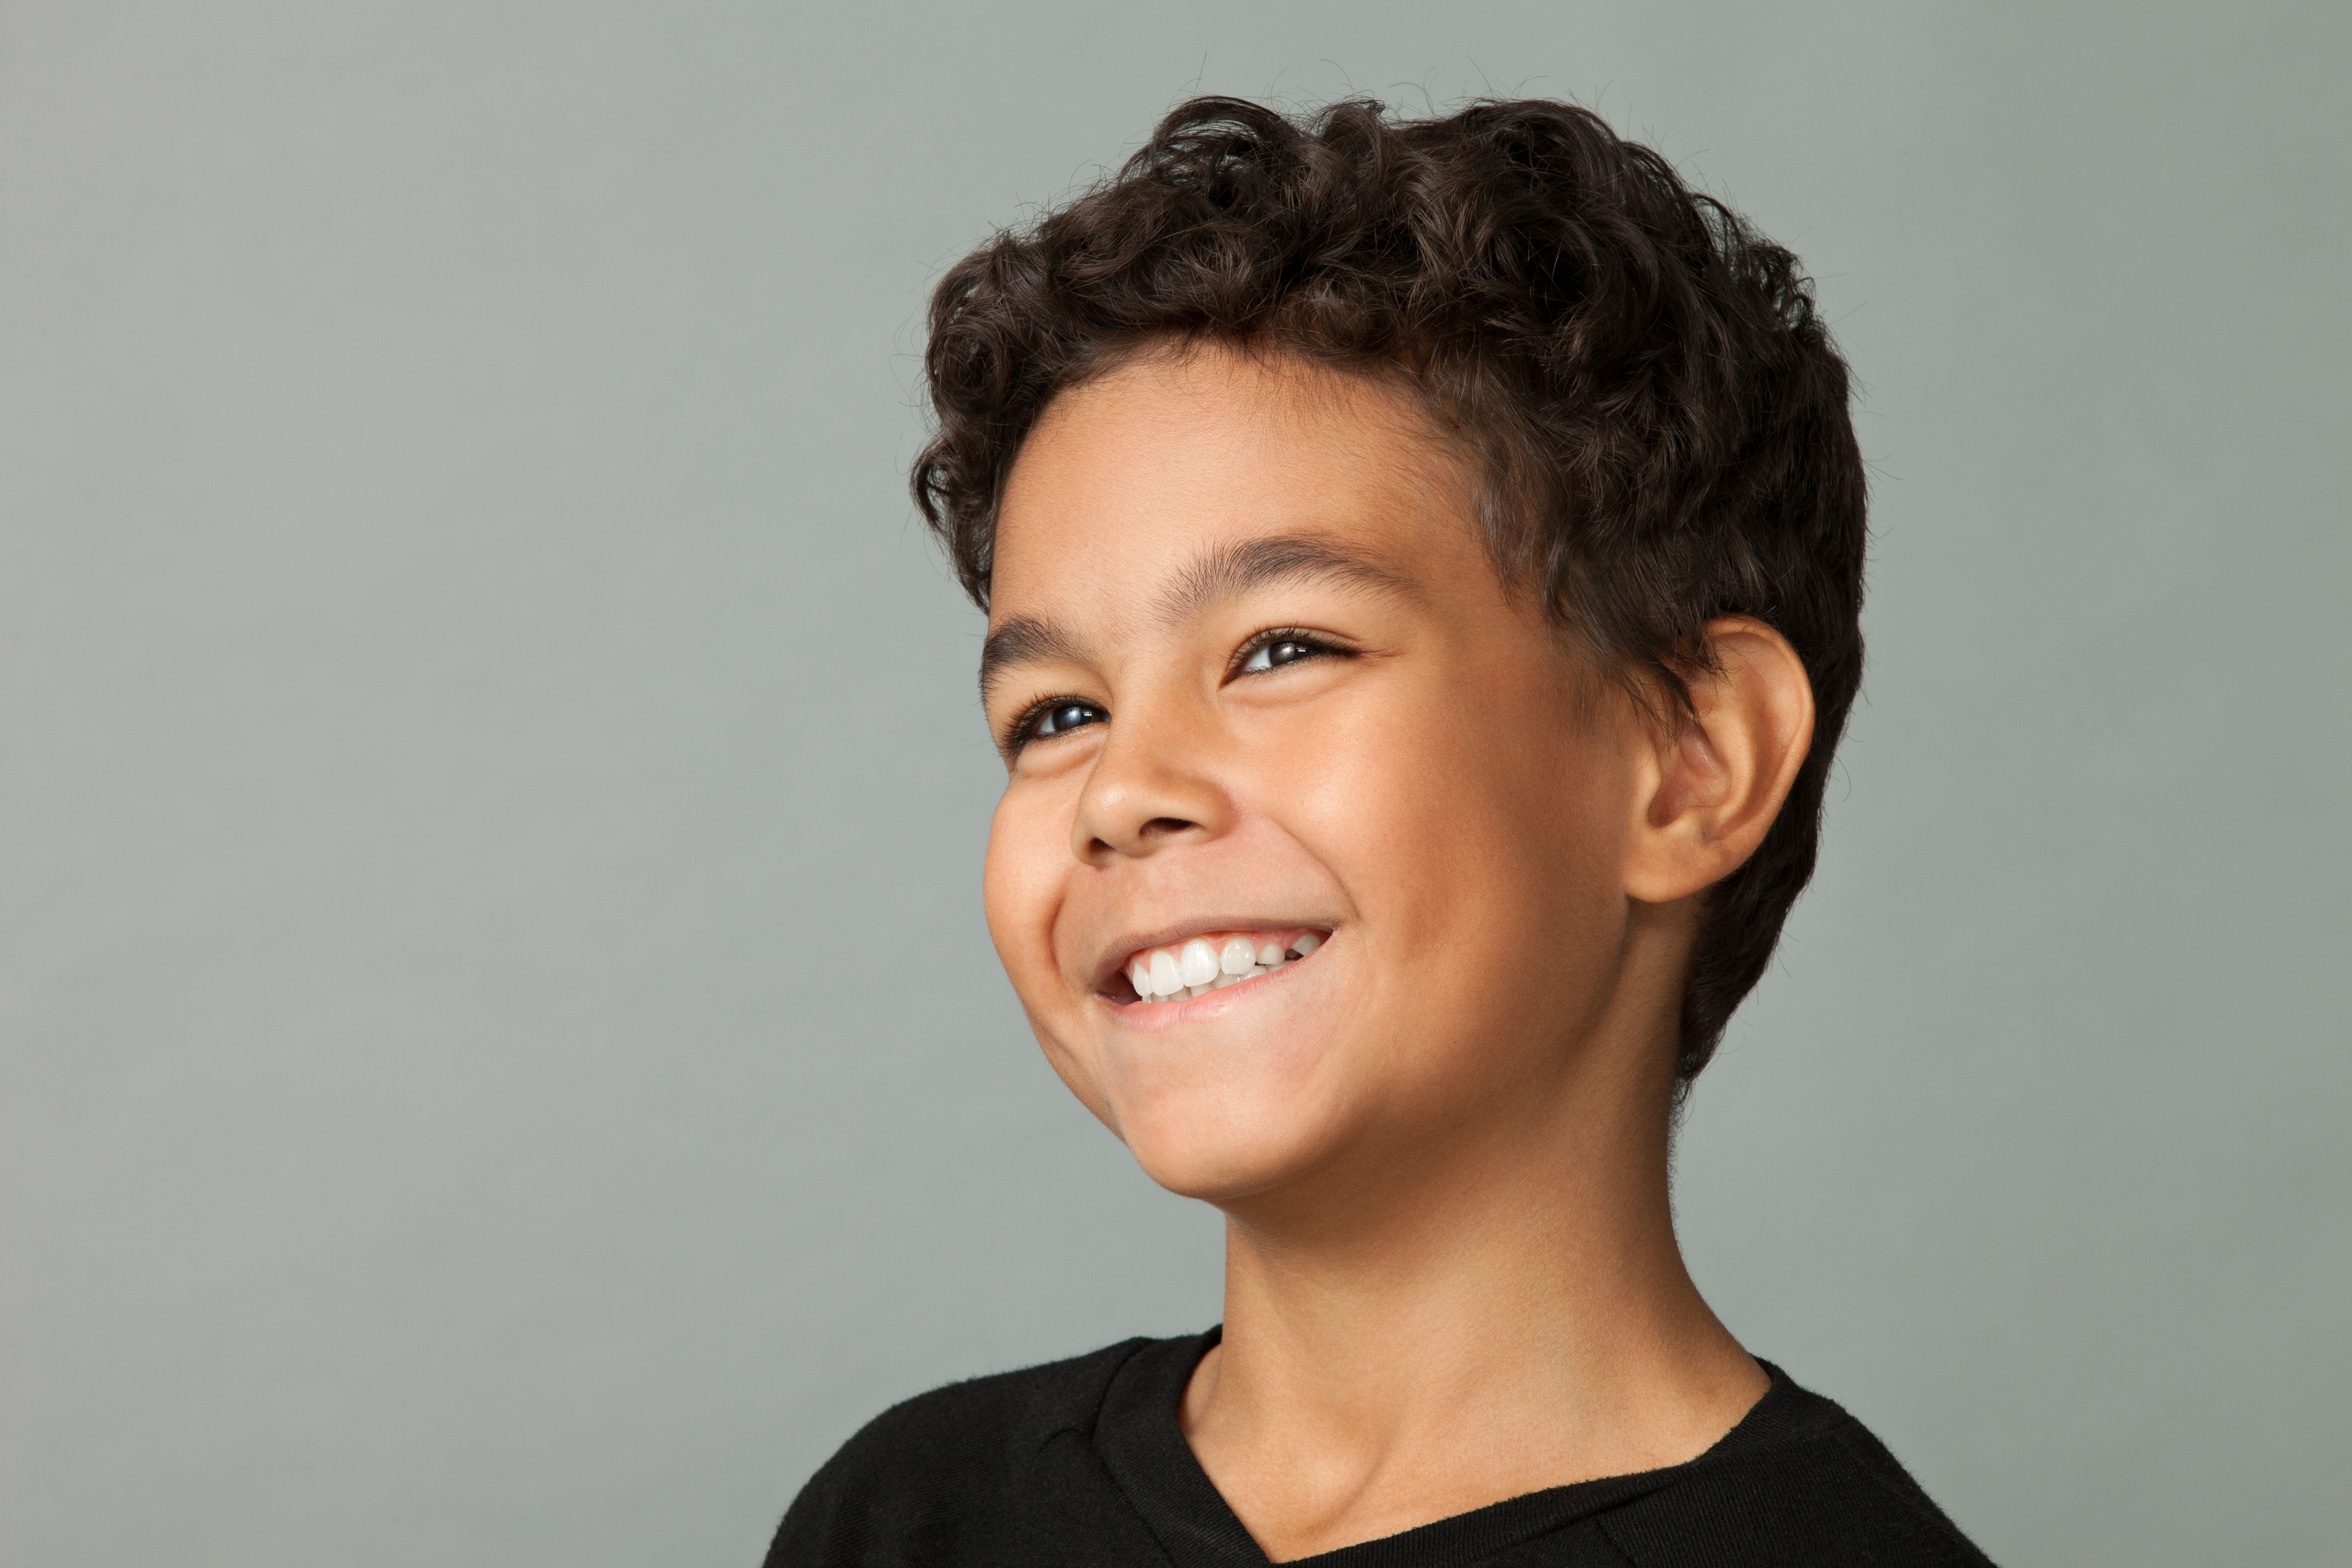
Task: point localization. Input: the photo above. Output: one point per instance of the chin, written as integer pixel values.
(1221, 1150)
(1221, 1176)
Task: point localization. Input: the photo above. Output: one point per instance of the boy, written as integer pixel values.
(1424, 564)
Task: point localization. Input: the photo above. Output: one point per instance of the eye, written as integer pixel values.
(1066, 716)
(1270, 650)
(1055, 716)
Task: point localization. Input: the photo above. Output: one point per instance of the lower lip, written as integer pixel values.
(1144, 1015)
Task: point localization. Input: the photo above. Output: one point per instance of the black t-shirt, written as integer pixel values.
(1082, 1462)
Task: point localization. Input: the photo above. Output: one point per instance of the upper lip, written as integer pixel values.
(1124, 948)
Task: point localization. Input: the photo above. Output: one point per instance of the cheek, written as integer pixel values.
(1484, 859)
(1020, 881)
(1023, 884)
(1415, 803)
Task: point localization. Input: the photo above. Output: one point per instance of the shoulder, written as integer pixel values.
(1802, 1482)
(980, 1418)
(959, 1461)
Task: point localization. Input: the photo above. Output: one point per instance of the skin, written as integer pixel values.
(1440, 1143)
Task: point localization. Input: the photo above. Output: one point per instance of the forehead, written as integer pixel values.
(1132, 479)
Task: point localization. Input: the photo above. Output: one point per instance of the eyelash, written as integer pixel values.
(1320, 646)
(1023, 729)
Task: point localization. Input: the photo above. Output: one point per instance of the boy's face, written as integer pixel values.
(1259, 679)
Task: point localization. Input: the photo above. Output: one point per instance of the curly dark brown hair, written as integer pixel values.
(1658, 411)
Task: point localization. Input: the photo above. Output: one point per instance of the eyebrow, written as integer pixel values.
(1223, 573)
(1231, 570)
(1023, 640)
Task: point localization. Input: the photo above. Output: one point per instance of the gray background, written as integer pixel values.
(499, 1061)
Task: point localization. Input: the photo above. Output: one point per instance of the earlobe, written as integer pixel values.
(1721, 770)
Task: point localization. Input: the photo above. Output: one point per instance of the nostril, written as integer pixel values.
(1145, 838)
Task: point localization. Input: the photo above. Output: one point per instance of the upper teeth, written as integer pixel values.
(1203, 963)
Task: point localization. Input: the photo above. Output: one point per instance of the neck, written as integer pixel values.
(1475, 1321)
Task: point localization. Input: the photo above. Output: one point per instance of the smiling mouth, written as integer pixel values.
(1215, 960)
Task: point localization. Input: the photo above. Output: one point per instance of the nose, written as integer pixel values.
(1150, 789)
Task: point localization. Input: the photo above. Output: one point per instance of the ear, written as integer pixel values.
(1716, 776)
